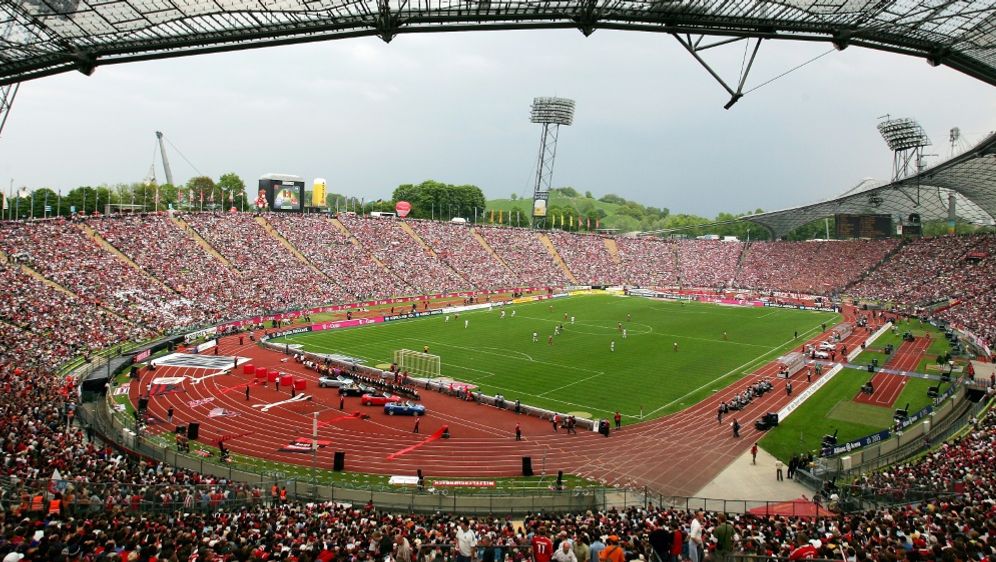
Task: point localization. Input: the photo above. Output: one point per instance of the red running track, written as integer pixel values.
(674, 455)
(887, 386)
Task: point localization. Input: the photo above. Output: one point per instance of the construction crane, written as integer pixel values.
(162, 150)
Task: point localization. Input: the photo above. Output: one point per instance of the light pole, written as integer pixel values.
(551, 113)
(314, 453)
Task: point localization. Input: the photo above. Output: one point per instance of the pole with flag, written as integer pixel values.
(58, 205)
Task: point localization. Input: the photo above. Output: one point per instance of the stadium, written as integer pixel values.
(277, 378)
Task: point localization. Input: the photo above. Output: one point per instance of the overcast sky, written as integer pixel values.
(454, 107)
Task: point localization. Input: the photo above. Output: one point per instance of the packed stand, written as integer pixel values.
(165, 251)
(648, 262)
(105, 506)
(45, 327)
(266, 266)
(337, 256)
(587, 258)
(64, 253)
(975, 289)
(708, 263)
(456, 245)
(522, 250)
(919, 273)
(395, 248)
(815, 268)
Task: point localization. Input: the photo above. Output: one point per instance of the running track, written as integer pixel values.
(889, 387)
(674, 455)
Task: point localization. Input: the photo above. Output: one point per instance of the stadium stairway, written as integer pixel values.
(290, 247)
(864, 274)
(545, 240)
(613, 249)
(190, 231)
(740, 263)
(37, 275)
(425, 246)
(414, 235)
(122, 257)
(345, 231)
(487, 247)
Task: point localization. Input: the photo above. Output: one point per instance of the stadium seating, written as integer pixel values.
(423, 272)
(816, 268)
(121, 505)
(523, 251)
(333, 253)
(587, 258)
(457, 247)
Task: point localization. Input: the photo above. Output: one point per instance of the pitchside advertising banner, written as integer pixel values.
(413, 315)
(322, 326)
(339, 307)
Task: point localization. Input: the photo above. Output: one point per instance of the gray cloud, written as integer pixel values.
(454, 107)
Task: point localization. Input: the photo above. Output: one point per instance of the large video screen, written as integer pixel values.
(288, 197)
(284, 194)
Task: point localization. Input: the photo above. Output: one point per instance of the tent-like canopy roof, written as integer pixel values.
(43, 37)
(970, 176)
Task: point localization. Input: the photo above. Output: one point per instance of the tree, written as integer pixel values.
(587, 195)
(433, 199)
(201, 189)
(612, 198)
(232, 190)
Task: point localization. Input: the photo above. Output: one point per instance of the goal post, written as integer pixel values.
(417, 364)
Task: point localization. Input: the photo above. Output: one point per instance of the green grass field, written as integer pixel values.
(833, 408)
(578, 373)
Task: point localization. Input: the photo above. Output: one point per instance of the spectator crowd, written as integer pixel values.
(106, 505)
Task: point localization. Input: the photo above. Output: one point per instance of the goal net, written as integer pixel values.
(417, 364)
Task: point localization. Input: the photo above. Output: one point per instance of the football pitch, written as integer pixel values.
(578, 372)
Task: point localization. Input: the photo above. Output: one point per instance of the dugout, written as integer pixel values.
(790, 364)
(843, 330)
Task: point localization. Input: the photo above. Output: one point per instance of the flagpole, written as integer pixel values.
(58, 205)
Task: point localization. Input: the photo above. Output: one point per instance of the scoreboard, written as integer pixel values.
(281, 192)
(863, 226)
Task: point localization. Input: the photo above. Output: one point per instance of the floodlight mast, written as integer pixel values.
(906, 139)
(551, 113)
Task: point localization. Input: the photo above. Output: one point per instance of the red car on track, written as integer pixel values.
(378, 399)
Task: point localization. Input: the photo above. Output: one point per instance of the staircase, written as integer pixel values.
(864, 274)
(613, 249)
(740, 263)
(411, 232)
(487, 247)
(545, 240)
(290, 247)
(189, 230)
(30, 271)
(121, 256)
(345, 232)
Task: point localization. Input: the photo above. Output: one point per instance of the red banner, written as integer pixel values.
(426, 441)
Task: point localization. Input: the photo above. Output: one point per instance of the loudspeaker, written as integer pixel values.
(193, 430)
(339, 461)
(527, 466)
(143, 404)
(181, 429)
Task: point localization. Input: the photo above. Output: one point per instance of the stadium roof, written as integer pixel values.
(970, 176)
(44, 37)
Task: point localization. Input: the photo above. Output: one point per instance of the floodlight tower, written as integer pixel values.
(551, 113)
(907, 140)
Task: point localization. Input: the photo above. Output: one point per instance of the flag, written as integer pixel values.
(579, 222)
(180, 196)
(211, 198)
(57, 484)
(157, 196)
(4, 196)
(597, 223)
(491, 220)
(587, 222)
(501, 212)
